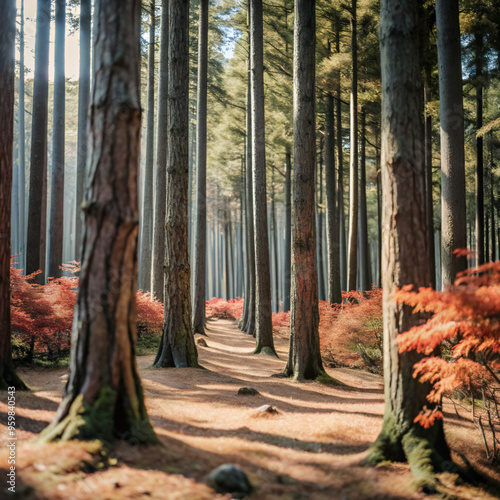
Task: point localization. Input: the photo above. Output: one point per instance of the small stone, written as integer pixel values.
(202, 342)
(268, 409)
(248, 391)
(229, 478)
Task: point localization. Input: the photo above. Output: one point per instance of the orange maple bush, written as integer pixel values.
(42, 315)
(464, 323)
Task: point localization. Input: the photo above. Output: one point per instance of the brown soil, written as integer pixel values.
(310, 449)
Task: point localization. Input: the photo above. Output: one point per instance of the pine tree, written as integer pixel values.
(103, 398)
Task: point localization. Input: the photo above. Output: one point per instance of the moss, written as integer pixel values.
(100, 421)
(269, 351)
(324, 378)
(147, 343)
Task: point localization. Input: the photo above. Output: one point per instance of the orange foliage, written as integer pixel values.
(224, 309)
(42, 315)
(465, 324)
(351, 333)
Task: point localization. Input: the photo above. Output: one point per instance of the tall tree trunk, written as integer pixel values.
(353, 158)
(274, 246)
(201, 176)
(8, 376)
(304, 360)
(429, 203)
(248, 324)
(103, 397)
(22, 149)
(332, 210)
(364, 256)
(83, 110)
(263, 307)
(319, 230)
(177, 347)
(56, 221)
(453, 214)
(35, 258)
(479, 154)
(157, 278)
(405, 258)
(288, 230)
(147, 198)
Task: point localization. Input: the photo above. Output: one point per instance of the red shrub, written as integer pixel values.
(224, 309)
(149, 314)
(465, 325)
(351, 333)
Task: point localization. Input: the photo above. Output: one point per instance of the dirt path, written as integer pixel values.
(310, 449)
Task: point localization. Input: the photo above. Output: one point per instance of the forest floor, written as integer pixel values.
(310, 449)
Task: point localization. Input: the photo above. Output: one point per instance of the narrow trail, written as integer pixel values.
(310, 449)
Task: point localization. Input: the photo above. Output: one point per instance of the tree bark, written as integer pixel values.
(56, 221)
(353, 159)
(479, 154)
(83, 111)
(147, 198)
(22, 149)
(248, 324)
(429, 204)
(319, 230)
(453, 213)
(288, 230)
(35, 258)
(103, 397)
(8, 376)
(364, 256)
(201, 176)
(405, 244)
(332, 209)
(177, 347)
(304, 361)
(157, 277)
(263, 307)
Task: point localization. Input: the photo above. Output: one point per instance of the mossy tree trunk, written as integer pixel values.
(304, 361)
(8, 376)
(405, 244)
(263, 308)
(177, 347)
(103, 398)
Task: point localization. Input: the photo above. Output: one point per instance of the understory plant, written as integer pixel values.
(460, 342)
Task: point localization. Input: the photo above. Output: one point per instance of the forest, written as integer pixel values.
(250, 249)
